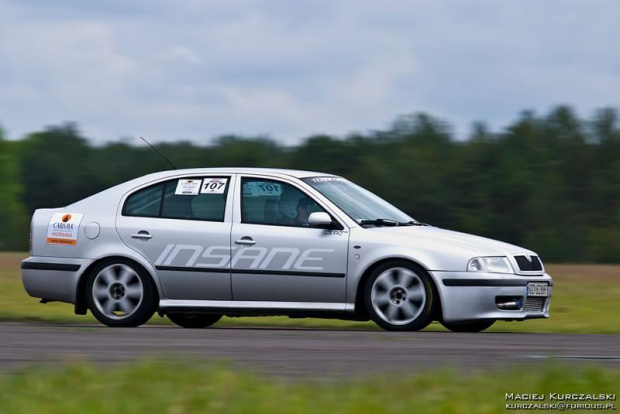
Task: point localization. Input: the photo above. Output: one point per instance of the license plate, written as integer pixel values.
(537, 289)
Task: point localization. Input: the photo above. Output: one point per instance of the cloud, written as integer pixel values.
(66, 69)
(195, 69)
(181, 54)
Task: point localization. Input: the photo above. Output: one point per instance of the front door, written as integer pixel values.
(182, 226)
(276, 256)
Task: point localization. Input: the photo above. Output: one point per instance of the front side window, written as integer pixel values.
(201, 198)
(275, 203)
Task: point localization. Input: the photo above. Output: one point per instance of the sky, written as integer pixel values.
(198, 69)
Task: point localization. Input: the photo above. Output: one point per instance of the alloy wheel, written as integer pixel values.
(398, 296)
(117, 291)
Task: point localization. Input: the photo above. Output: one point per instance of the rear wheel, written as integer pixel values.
(399, 296)
(477, 326)
(121, 294)
(193, 320)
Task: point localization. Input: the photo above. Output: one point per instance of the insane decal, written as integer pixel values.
(277, 258)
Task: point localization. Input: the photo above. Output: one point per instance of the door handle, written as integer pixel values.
(246, 241)
(142, 235)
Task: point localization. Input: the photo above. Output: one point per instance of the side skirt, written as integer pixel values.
(258, 308)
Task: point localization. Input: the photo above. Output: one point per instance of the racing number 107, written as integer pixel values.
(214, 186)
(268, 188)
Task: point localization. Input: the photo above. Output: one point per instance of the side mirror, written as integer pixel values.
(319, 219)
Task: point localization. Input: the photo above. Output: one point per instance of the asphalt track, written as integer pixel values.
(298, 352)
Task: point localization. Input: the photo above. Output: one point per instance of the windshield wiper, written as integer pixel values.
(414, 223)
(382, 222)
(389, 222)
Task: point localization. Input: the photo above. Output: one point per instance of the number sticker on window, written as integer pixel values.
(260, 188)
(213, 186)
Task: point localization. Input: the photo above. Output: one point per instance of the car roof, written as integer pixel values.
(122, 188)
(244, 170)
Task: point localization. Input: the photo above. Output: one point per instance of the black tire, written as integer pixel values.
(420, 281)
(193, 320)
(142, 307)
(477, 326)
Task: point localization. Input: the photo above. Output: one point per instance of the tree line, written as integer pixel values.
(549, 182)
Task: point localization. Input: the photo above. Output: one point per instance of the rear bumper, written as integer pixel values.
(472, 296)
(52, 279)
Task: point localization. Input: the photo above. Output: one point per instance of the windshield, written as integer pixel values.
(359, 204)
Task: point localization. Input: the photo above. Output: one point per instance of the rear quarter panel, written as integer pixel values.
(98, 211)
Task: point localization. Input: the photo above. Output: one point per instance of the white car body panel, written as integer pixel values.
(287, 269)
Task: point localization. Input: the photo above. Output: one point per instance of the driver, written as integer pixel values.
(303, 211)
(295, 211)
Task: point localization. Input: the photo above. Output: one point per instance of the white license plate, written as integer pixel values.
(537, 289)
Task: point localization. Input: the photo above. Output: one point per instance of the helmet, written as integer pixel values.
(287, 204)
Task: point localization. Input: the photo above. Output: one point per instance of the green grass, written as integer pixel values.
(201, 387)
(584, 301)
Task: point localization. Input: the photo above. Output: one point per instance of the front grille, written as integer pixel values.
(534, 304)
(532, 265)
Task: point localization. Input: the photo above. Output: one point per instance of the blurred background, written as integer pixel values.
(498, 118)
(487, 117)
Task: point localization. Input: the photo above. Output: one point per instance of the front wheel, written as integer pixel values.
(477, 326)
(193, 320)
(121, 294)
(399, 296)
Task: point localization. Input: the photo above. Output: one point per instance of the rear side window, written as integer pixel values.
(202, 198)
(145, 202)
(196, 199)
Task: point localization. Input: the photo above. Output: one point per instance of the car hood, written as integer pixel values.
(428, 235)
(433, 247)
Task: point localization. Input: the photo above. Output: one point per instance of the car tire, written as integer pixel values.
(477, 326)
(120, 293)
(194, 320)
(399, 296)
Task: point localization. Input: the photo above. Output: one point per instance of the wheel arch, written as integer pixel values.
(81, 306)
(360, 308)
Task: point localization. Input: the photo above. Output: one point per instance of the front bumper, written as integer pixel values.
(468, 296)
(52, 279)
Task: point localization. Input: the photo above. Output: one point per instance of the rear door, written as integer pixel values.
(182, 226)
(276, 256)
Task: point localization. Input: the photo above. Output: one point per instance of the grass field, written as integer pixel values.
(183, 387)
(585, 300)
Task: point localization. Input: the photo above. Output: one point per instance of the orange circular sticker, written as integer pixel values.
(66, 218)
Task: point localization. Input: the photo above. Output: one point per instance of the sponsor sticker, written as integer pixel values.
(63, 228)
(213, 186)
(188, 187)
(326, 179)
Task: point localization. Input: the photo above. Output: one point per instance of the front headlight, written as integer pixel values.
(490, 265)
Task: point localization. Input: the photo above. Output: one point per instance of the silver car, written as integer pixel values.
(198, 244)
